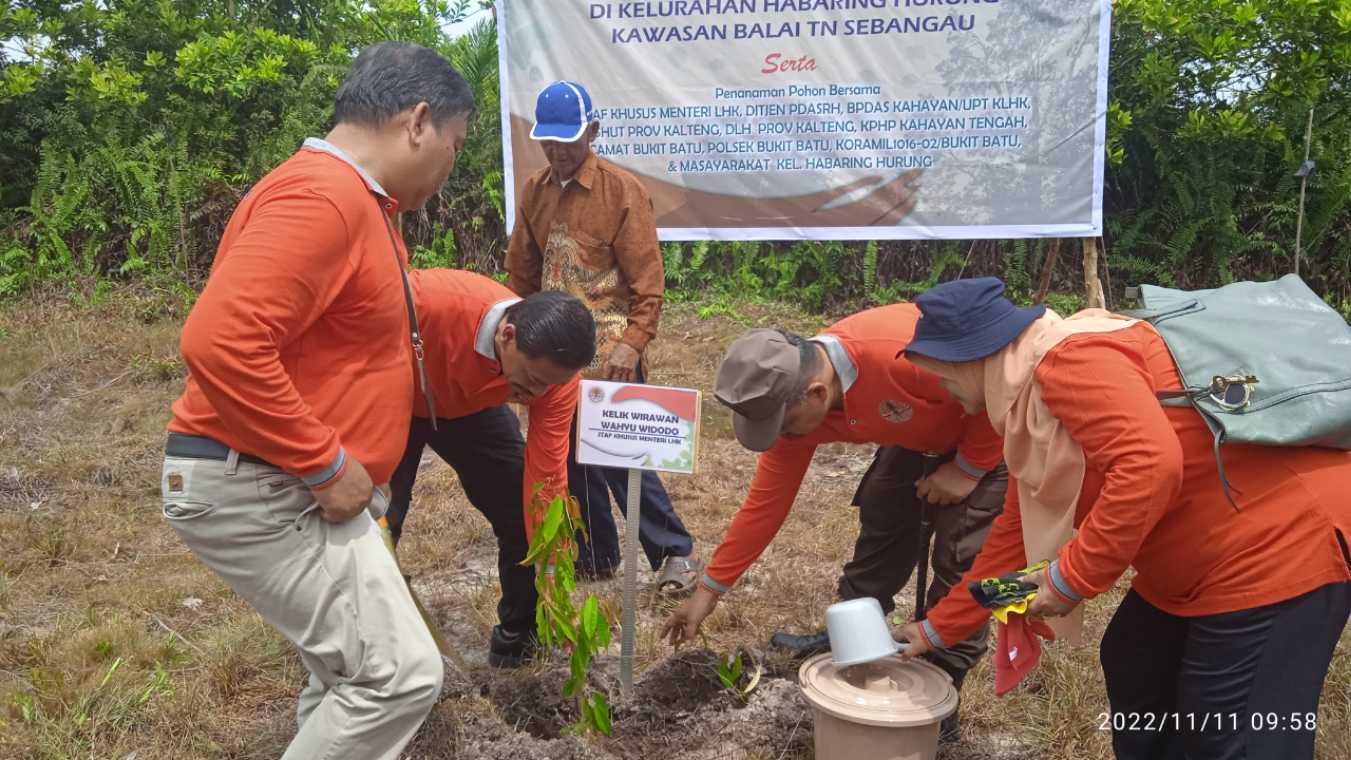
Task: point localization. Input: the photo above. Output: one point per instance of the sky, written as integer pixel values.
(455, 30)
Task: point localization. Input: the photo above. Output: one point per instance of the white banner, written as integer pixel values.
(829, 119)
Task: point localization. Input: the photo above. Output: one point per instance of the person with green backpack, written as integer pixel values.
(1221, 647)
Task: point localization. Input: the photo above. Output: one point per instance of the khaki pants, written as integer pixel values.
(333, 590)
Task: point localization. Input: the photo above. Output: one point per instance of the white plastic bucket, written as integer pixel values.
(858, 632)
(888, 709)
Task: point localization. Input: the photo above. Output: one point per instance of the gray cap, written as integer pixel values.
(756, 380)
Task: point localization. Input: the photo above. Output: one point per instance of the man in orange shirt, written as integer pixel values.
(790, 395)
(585, 226)
(297, 401)
(485, 348)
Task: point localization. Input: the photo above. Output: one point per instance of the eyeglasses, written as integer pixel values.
(1232, 393)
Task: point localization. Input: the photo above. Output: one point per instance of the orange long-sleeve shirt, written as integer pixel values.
(298, 347)
(458, 314)
(887, 401)
(1152, 497)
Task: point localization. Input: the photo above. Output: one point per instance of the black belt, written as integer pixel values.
(200, 447)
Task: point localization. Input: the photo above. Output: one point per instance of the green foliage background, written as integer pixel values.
(130, 128)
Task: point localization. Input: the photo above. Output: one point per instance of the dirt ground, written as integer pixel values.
(116, 643)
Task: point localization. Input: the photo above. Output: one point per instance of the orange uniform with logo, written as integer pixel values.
(1152, 497)
(455, 312)
(888, 402)
(298, 348)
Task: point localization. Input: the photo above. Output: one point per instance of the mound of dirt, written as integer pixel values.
(529, 700)
(678, 685)
(774, 722)
(678, 707)
(482, 737)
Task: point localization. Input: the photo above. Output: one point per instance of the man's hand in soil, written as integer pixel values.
(622, 366)
(683, 625)
(347, 497)
(915, 643)
(947, 485)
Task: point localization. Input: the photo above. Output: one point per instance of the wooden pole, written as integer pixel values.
(1303, 185)
(1047, 270)
(1093, 285)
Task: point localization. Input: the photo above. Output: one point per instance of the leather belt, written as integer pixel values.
(200, 447)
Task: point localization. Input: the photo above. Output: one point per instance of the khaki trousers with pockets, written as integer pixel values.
(332, 589)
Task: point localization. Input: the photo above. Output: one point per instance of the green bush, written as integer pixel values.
(132, 128)
(129, 129)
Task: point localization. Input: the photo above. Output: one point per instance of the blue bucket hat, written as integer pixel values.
(966, 320)
(562, 113)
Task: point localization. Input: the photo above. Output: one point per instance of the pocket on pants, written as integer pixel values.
(285, 497)
(182, 509)
(180, 495)
(979, 512)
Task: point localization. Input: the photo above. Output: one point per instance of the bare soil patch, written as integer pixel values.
(116, 643)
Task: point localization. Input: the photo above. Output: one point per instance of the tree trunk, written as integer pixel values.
(1047, 270)
(1092, 285)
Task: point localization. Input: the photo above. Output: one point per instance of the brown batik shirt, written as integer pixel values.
(595, 238)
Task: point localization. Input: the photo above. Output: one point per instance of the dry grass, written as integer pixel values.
(114, 640)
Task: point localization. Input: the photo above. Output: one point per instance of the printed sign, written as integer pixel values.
(644, 427)
(828, 119)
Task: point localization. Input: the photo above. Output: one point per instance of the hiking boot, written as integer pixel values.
(801, 646)
(512, 650)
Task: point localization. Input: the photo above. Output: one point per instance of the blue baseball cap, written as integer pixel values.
(966, 320)
(562, 113)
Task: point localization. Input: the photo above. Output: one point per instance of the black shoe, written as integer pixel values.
(591, 574)
(512, 650)
(950, 730)
(801, 646)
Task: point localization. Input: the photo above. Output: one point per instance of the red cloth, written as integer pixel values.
(1017, 651)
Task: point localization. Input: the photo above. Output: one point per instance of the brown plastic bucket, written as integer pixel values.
(888, 709)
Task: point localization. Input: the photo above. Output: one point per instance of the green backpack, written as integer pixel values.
(1265, 363)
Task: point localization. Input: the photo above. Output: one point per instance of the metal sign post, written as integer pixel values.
(638, 428)
(628, 620)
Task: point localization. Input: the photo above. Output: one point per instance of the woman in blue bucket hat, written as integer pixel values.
(1222, 644)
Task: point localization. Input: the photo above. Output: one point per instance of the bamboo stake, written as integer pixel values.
(1303, 185)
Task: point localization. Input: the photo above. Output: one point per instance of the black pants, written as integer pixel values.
(888, 546)
(660, 531)
(1221, 687)
(488, 454)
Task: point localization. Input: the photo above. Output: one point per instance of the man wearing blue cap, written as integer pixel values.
(586, 227)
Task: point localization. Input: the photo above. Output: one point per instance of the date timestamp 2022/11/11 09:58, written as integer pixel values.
(1216, 721)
